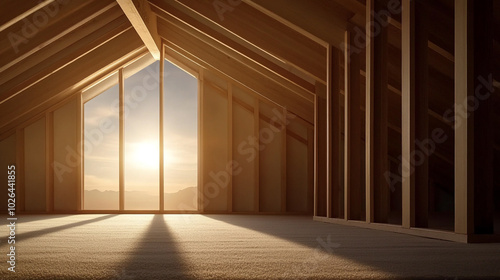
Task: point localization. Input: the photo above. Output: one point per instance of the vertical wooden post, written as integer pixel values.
(201, 150)
(408, 111)
(162, 132)
(421, 165)
(315, 192)
(352, 133)
(79, 146)
(121, 140)
(329, 159)
(49, 159)
(335, 133)
(369, 111)
(230, 143)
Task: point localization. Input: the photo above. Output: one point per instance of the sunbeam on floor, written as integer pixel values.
(231, 247)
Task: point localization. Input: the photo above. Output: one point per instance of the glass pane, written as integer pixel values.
(101, 151)
(142, 139)
(180, 139)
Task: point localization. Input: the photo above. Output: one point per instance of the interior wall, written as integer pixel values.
(66, 159)
(34, 166)
(8, 152)
(270, 169)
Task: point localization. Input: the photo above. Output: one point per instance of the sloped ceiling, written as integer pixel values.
(49, 50)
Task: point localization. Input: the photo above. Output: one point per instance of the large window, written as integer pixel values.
(136, 147)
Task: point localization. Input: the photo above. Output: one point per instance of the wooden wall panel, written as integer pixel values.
(245, 149)
(214, 146)
(8, 152)
(297, 167)
(34, 166)
(66, 158)
(270, 161)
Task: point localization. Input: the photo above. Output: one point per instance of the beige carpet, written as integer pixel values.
(231, 247)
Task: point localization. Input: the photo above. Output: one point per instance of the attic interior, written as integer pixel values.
(326, 117)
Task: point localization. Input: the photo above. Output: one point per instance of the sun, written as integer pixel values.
(147, 155)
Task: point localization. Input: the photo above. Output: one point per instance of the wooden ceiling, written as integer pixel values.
(52, 49)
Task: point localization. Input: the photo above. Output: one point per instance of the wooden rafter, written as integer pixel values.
(142, 19)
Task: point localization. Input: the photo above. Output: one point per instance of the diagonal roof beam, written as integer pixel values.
(143, 20)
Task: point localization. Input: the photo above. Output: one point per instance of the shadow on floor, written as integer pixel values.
(156, 255)
(399, 255)
(37, 233)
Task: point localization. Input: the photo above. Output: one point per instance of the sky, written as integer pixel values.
(141, 134)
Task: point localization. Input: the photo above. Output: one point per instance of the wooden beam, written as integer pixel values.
(121, 145)
(278, 67)
(266, 34)
(408, 112)
(34, 73)
(143, 20)
(14, 11)
(369, 111)
(161, 130)
(79, 149)
(70, 17)
(329, 133)
(65, 82)
(180, 43)
(175, 31)
(421, 115)
(335, 133)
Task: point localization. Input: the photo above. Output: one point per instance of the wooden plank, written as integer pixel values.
(335, 134)
(408, 111)
(369, 112)
(329, 133)
(464, 134)
(201, 188)
(121, 145)
(64, 82)
(49, 159)
(14, 11)
(316, 157)
(213, 59)
(139, 14)
(79, 149)
(71, 16)
(68, 44)
(230, 144)
(278, 67)
(161, 130)
(421, 115)
(175, 31)
(266, 34)
(64, 57)
(326, 13)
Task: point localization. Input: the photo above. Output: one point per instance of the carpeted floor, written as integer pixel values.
(231, 247)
